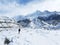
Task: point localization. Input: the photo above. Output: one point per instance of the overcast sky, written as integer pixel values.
(23, 7)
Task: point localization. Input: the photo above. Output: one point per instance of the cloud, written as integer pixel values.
(24, 2)
(13, 7)
(21, 2)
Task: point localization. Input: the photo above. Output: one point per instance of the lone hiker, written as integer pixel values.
(19, 30)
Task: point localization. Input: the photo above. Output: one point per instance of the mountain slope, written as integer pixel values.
(40, 19)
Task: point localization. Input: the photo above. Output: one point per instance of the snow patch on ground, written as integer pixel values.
(30, 36)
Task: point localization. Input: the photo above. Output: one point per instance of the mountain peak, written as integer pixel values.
(46, 11)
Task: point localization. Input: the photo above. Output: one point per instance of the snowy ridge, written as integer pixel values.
(6, 22)
(40, 19)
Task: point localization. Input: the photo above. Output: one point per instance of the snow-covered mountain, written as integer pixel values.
(6, 22)
(40, 19)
